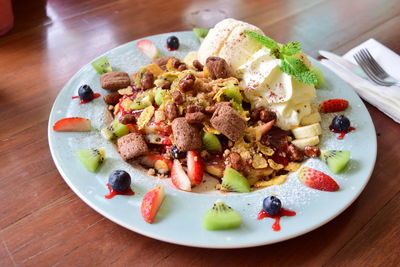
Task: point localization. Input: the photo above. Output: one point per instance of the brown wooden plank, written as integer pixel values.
(377, 243)
(43, 223)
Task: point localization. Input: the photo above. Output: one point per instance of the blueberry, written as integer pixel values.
(340, 123)
(85, 92)
(176, 153)
(272, 205)
(119, 180)
(173, 43)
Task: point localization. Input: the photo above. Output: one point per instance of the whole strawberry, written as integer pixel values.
(317, 180)
(333, 105)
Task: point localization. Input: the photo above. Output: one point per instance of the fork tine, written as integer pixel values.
(375, 63)
(367, 71)
(371, 65)
(367, 60)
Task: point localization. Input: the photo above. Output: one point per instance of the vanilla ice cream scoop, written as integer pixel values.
(228, 41)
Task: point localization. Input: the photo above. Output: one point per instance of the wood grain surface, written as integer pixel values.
(44, 223)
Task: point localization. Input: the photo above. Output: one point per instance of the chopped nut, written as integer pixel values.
(151, 172)
(195, 117)
(112, 98)
(127, 119)
(177, 97)
(194, 108)
(235, 161)
(147, 80)
(186, 83)
(165, 85)
(295, 154)
(312, 151)
(267, 115)
(171, 111)
(198, 65)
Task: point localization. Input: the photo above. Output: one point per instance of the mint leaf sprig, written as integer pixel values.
(289, 63)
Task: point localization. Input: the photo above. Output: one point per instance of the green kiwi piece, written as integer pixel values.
(234, 181)
(139, 75)
(143, 101)
(211, 142)
(320, 77)
(159, 95)
(101, 65)
(233, 92)
(91, 158)
(200, 33)
(115, 131)
(221, 217)
(336, 159)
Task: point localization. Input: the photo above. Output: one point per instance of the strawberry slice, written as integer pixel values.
(333, 105)
(179, 177)
(317, 180)
(151, 203)
(147, 47)
(264, 128)
(195, 167)
(74, 124)
(161, 164)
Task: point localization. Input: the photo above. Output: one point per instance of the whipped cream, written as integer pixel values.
(267, 86)
(264, 83)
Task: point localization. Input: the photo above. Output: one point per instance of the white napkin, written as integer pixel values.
(386, 99)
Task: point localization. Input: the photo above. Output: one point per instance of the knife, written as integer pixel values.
(344, 63)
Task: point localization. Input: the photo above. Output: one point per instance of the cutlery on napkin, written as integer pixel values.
(386, 99)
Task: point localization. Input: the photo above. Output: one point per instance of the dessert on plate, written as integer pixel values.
(242, 109)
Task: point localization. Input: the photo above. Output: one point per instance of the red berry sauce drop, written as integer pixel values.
(113, 193)
(95, 95)
(283, 212)
(342, 133)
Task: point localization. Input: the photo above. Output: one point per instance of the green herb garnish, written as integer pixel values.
(289, 63)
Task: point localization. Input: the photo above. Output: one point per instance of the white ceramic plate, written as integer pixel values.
(180, 217)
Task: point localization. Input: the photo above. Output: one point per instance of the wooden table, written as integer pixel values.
(43, 222)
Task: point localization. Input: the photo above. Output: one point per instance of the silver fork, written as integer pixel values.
(373, 70)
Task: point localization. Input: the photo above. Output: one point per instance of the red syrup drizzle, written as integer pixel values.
(95, 95)
(283, 212)
(113, 193)
(171, 49)
(342, 134)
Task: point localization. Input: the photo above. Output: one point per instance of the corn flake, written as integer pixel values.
(145, 117)
(274, 181)
(209, 129)
(155, 69)
(274, 165)
(126, 91)
(292, 166)
(259, 162)
(265, 149)
(126, 103)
